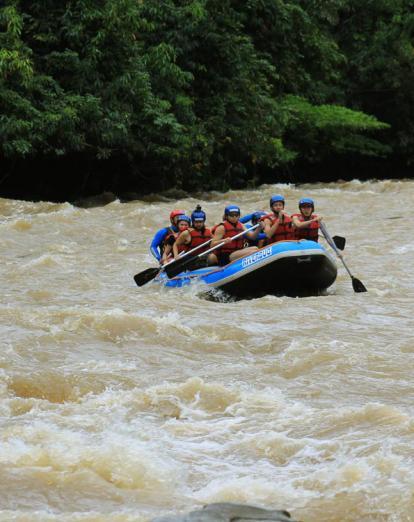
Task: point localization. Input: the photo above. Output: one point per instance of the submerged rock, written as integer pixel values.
(228, 512)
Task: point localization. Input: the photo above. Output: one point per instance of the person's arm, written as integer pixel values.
(168, 248)
(183, 239)
(270, 229)
(218, 236)
(255, 233)
(304, 224)
(155, 247)
(260, 235)
(246, 218)
(167, 251)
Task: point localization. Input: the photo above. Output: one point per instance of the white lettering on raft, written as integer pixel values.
(254, 258)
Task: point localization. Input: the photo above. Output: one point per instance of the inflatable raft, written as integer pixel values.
(293, 268)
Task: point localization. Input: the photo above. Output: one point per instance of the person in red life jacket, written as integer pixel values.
(162, 236)
(278, 224)
(306, 224)
(183, 223)
(230, 227)
(195, 236)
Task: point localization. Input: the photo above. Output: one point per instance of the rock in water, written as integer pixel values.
(228, 512)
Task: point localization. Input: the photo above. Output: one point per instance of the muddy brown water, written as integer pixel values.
(120, 403)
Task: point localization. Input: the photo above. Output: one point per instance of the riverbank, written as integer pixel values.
(72, 181)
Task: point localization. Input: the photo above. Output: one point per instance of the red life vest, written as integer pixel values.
(230, 231)
(183, 247)
(311, 232)
(169, 239)
(284, 230)
(198, 237)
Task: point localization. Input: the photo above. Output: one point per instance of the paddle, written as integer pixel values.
(146, 275)
(339, 242)
(180, 266)
(150, 273)
(356, 283)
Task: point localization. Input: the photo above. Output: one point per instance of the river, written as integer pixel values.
(120, 403)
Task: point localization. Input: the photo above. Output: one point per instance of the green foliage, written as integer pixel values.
(305, 56)
(320, 131)
(378, 40)
(327, 117)
(207, 93)
(15, 64)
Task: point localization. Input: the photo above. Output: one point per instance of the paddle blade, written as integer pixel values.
(358, 286)
(145, 276)
(178, 266)
(339, 242)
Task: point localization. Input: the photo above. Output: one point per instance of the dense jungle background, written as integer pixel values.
(138, 96)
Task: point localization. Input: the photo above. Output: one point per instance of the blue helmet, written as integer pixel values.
(184, 218)
(306, 201)
(231, 208)
(256, 216)
(198, 215)
(276, 198)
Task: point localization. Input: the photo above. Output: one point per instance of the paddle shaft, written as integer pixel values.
(185, 254)
(182, 255)
(333, 246)
(147, 275)
(172, 272)
(224, 242)
(338, 240)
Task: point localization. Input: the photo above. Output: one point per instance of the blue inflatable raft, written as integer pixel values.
(293, 268)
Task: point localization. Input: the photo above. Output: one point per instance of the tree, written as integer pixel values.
(186, 93)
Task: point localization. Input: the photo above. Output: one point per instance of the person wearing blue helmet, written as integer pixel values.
(198, 215)
(278, 224)
(194, 237)
(306, 223)
(231, 226)
(250, 220)
(183, 223)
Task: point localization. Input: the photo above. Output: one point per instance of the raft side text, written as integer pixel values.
(254, 258)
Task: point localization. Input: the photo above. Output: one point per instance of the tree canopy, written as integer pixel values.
(151, 94)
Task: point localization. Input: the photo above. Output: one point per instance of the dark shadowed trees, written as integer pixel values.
(146, 95)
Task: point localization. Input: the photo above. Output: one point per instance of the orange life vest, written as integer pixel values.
(284, 230)
(230, 231)
(311, 232)
(198, 237)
